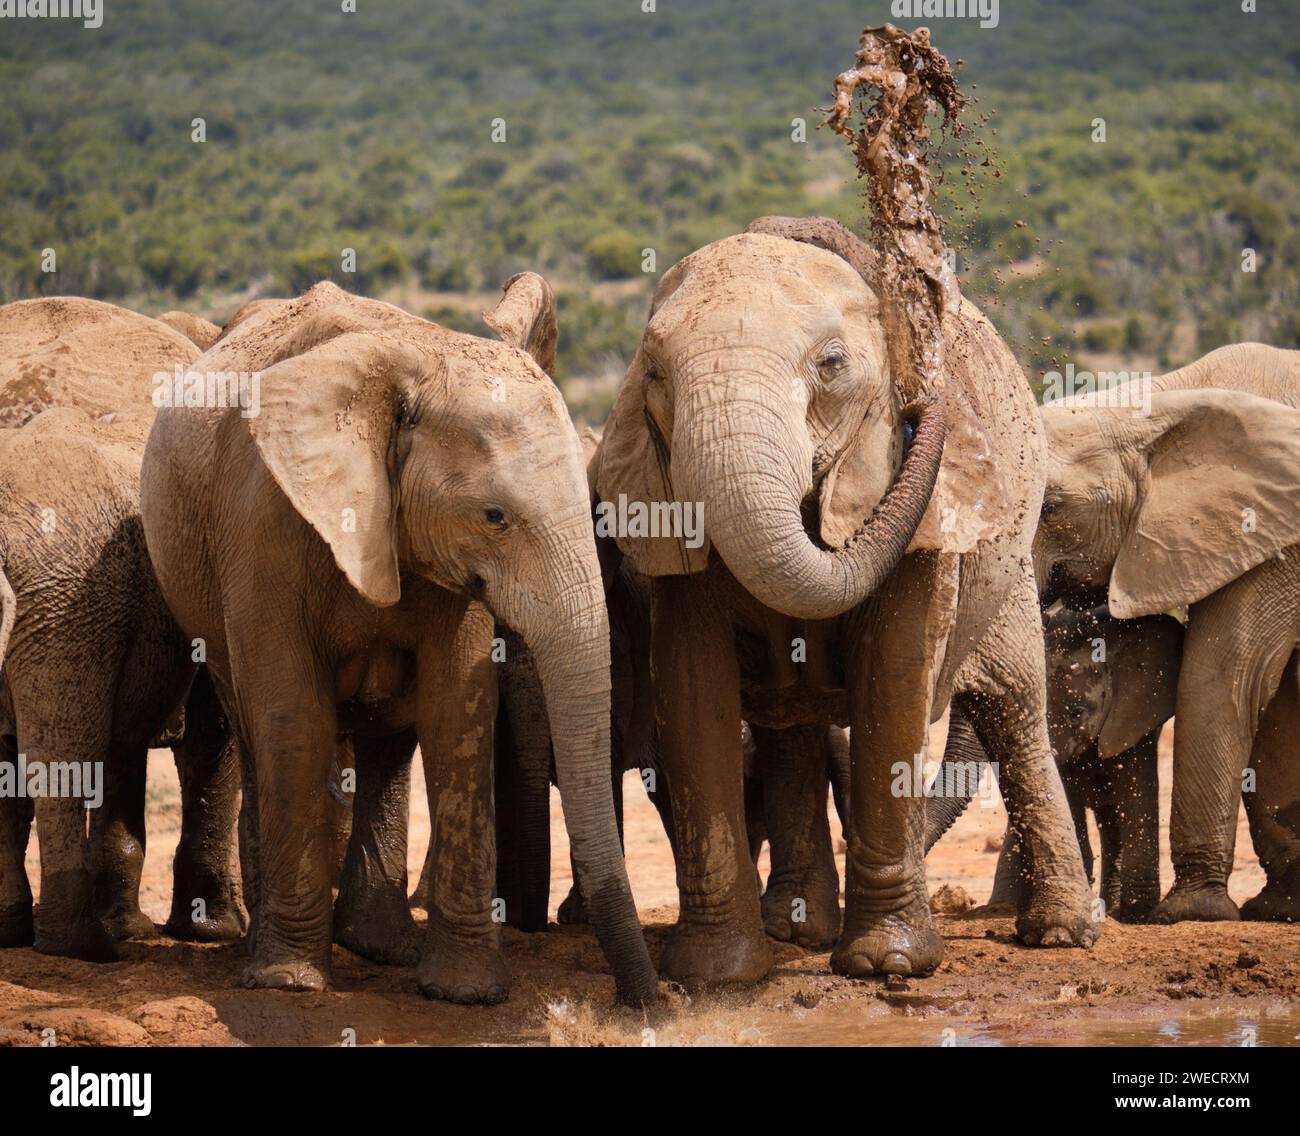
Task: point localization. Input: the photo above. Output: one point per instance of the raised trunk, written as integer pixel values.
(745, 464)
(568, 635)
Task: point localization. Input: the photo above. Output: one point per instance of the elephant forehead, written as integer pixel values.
(778, 266)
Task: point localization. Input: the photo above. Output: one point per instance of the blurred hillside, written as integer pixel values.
(627, 130)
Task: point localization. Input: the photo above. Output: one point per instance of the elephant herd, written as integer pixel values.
(393, 546)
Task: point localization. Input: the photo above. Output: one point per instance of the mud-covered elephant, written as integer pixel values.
(93, 666)
(1110, 687)
(342, 555)
(863, 559)
(1191, 497)
(525, 768)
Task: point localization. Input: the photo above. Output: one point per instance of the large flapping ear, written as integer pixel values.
(971, 501)
(525, 318)
(634, 469)
(1219, 495)
(1143, 657)
(324, 430)
(589, 439)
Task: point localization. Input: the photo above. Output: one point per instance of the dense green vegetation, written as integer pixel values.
(626, 131)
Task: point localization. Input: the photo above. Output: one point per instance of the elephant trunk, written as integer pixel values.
(751, 473)
(566, 629)
(943, 810)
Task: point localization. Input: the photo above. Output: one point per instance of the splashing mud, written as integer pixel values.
(911, 79)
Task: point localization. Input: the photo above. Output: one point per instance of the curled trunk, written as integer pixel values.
(753, 494)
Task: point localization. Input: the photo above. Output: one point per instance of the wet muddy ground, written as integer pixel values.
(1208, 984)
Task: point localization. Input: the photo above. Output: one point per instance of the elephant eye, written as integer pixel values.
(495, 516)
(1050, 505)
(831, 361)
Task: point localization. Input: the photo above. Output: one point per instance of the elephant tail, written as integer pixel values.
(8, 613)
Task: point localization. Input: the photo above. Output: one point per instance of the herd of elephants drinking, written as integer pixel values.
(397, 550)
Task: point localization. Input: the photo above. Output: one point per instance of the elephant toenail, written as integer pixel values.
(896, 963)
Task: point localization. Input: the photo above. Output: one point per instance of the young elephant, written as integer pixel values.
(93, 665)
(1110, 687)
(525, 769)
(762, 393)
(1195, 500)
(342, 554)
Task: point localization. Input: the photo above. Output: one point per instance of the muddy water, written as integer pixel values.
(908, 80)
(847, 1024)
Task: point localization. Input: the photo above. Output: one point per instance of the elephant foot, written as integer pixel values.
(218, 925)
(1279, 901)
(1207, 903)
(82, 938)
(804, 912)
(467, 973)
(1135, 909)
(17, 928)
(378, 927)
(1058, 917)
(129, 923)
(297, 975)
(700, 957)
(899, 942)
(573, 910)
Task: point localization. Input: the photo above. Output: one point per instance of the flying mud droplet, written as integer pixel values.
(908, 79)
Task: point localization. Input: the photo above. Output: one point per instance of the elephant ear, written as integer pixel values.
(1143, 664)
(633, 465)
(525, 318)
(970, 501)
(325, 429)
(1220, 494)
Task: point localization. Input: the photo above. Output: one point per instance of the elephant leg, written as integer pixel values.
(1129, 821)
(461, 960)
(205, 901)
(117, 844)
(888, 928)
(1273, 808)
(719, 936)
(801, 903)
(420, 897)
(1080, 779)
(1009, 875)
(528, 738)
(508, 804)
(1007, 705)
(840, 772)
(1237, 646)
(16, 813)
(342, 790)
(371, 915)
(67, 921)
(287, 726)
(755, 821)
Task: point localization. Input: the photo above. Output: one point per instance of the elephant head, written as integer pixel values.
(1110, 682)
(1158, 511)
(762, 391)
(416, 452)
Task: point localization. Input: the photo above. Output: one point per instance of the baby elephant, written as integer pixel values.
(1111, 685)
